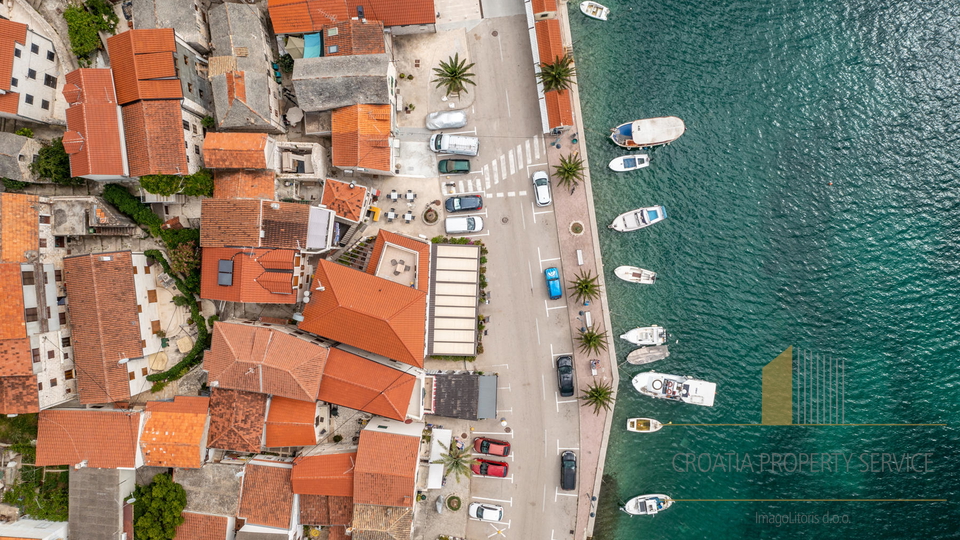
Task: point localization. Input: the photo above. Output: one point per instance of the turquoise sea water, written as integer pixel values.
(761, 252)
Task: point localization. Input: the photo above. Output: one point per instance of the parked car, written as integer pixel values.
(568, 471)
(491, 447)
(485, 512)
(446, 120)
(461, 225)
(454, 166)
(485, 467)
(553, 282)
(464, 203)
(565, 375)
(454, 144)
(541, 188)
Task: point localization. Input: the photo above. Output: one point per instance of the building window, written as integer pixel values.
(27, 278)
(190, 87)
(68, 375)
(59, 241)
(139, 308)
(200, 92)
(66, 356)
(43, 241)
(63, 317)
(196, 150)
(186, 125)
(51, 354)
(31, 314)
(44, 104)
(155, 326)
(143, 371)
(195, 127)
(143, 344)
(16, 52)
(65, 342)
(28, 99)
(31, 74)
(146, 269)
(152, 296)
(45, 220)
(186, 61)
(13, 81)
(58, 275)
(36, 355)
(34, 48)
(53, 382)
(50, 56)
(133, 375)
(50, 80)
(39, 386)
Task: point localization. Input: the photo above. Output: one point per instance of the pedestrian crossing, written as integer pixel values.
(509, 165)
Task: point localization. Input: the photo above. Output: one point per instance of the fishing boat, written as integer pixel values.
(594, 10)
(643, 425)
(675, 388)
(634, 274)
(639, 218)
(646, 335)
(646, 355)
(648, 132)
(630, 163)
(647, 505)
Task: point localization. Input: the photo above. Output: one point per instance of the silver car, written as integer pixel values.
(446, 120)
(541, 188)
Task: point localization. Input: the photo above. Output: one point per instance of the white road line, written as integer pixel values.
(544, 446)
(523, 219)
(500, 195)
(536, 166)
(543, 386)
(460, 183)
(529, 157)
(474, 235)
(566, 495)
(535, 321)
(510, 502)
(532, 208)
(503, 165)
(536, 147)
(544, 212)
(507, 388)
(543, 505)
(511, 194)
(496, 173)
(557, 307)
(486, 175)
(498, 433)
(546, 308)
(522, 193)
(551, 259)
(470, 184)
(543, 143)
(557, 399)
(530, 269)
(500, 45)
(551, 351)
(513, 163)
(519, 156)
(505, 90)
(473, 131)
(540, 259)
(559, 353)
(500, 365)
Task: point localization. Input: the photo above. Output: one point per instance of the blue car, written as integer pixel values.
(553, 282)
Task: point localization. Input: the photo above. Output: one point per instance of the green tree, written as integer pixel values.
(456, 461)
(84, 25)
(185, 258)
(25, 132)
(454, 75)
(585, 287)
(592, 341)
(599, 396)
(208, 122)
(53, 163)
(107, 18)
(286, 63)
(569, 173)
(158, 509)
(557, 75)
(198, 184)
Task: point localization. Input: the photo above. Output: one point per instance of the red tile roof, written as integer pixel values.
(10, 103)
(347, 202)
(93, 124)
(236, 420)
(300, 16)
(10, 33)
(260, 276)
(541, 6)
(18, 394)
(549, 40)
(267, 495)
(235, 150)
(354, 37)
(324, 474)
(290, 422)
(144, 65)
(105, 439)
(174, 432)
(325, 510)
(374, 314)
(365, 385)
(202, 527)
(19, 227)
(386, 469)
(154, 136)
(559, 108)
(106, 328)
(258, 359)
(421, 247)
(361, 137)
(18, 384)
(13, 324)
(243, 184)
(238, 223)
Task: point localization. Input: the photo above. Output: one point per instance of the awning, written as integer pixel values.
(487, 399)
(440, 444)
(311, 46)
(294, 46)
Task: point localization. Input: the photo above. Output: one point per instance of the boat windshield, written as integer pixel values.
(629, 163)
(653, 214)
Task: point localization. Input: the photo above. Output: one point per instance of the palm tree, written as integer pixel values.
(592, 341)
(457, 461)
(569, 172)
(558, 75)
(585, 287)
(454, 74)
(599, 396)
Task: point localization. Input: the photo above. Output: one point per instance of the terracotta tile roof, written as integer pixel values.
(267, 496)
(10, 103)
(324, 510)
(386, 469)
(225, 150)
(13, 324)
(346, 201)
(421, 247)
(354, 37)
(242, 184)
(365, 385)
(361, 137)
(154, 135)
(105, 439)
(102, 301)
(368, 312)
(202, 527)
(325, 474)
(236, 420)
(299, 16)
(93, 136)
(19, 227)
(549, 41)
(559, 108)
(144, 65)
(174, 432)
(18, 394)
(381, 522)
(237, 223)
(18, 384)
(258, 359)
(10, 33)
(540, 6)
(290, 422)
(260, 276)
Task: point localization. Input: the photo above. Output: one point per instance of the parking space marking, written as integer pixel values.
(530, 269)
(522, 193)
(559, 401)
(471, 131)
(497, 531)
(510, 502)
(474, 235)
(511, 194)
(544, 212)
(510, 410)
(507, 388)
(536, 166)
(556, 493)
(543, 505)
(535, 321)
(499, 433)
(559, 448)
(548, 308)
(500, 365)
(513, 163)
(543, 386)
(533, 211)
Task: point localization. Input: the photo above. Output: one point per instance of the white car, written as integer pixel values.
(446, 120)
(463, 224)
(541, 188)
(486, 512)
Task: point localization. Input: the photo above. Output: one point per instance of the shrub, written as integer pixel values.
(14, 185)
(25, 132)
(185, 258)
(337, 438)
(83, 29)
(198, 184)
(53, 163)
(158, 510)
(208, 122)
(286, 63)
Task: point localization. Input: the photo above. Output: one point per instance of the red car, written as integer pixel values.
(491, 447)
(485, 467)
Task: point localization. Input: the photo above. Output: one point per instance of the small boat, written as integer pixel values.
(648, 132)
(643, 425)
(630, 163)
(646, 335)
(594, 10)
(646, 355)
(634, 274)
(646, 505)
(639, 218)
(675, 388)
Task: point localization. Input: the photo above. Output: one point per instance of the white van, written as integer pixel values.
(454, 144)
(465, 224)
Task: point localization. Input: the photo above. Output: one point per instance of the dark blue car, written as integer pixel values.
(464, 203)
(553, 282)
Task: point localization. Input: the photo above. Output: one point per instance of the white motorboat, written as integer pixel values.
(675, 388)
(647, 505)
(648, 132)
(639, 218)
(646, 355)
(634, 274)
(646, 335)
(643, 425)
(594, 10)
(630, 163)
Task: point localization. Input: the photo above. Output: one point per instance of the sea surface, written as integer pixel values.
(813, 202)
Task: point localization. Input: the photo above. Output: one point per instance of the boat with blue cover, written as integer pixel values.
(639, 218)
(630, 163)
